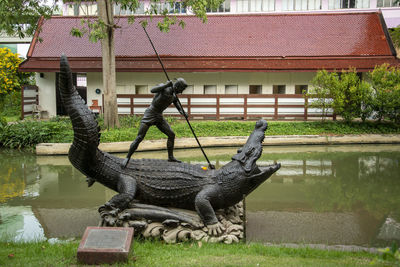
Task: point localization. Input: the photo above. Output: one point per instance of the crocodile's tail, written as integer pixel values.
(86, 129)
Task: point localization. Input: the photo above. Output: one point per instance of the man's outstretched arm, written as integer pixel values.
(180, 108)
(161, 87)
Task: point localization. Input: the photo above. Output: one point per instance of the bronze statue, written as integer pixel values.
(165, 95)
(159, 182)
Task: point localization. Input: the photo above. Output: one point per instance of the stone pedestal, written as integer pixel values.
(105, 245)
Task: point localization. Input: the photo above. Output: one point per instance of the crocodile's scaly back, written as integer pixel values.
(84, 154)
(169, 184)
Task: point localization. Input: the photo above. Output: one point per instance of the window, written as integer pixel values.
(118, 11)
(176, 7)
(223, 7)
(255, 5)
(82, 9)
(387, 3)
(279, 89)
(81, 80)
(231, 89)
(141, 89)
(337, 4)
(300, 89)
(255, 89)
(301, 4)
(210, 89)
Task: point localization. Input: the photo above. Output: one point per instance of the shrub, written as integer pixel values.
(351, 95)
(29, 133)
(385, 82)
(3, 122)
(9, 79)
(346, 94)
(324, 83)
(10, 105)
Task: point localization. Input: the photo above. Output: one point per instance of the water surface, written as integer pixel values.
(322, 194)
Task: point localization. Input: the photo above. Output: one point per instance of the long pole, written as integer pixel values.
(179, 102)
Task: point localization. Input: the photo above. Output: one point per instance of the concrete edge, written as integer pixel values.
(232, 141)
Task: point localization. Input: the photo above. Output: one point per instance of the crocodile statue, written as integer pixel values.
(159, 182)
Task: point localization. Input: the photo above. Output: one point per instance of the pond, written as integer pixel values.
(346, 195)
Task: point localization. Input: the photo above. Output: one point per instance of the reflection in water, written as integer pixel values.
(20, 224)
(329, 197)
(322, 194)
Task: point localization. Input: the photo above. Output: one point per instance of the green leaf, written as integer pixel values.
(76, 32)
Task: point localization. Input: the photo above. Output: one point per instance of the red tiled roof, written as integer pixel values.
(261, 42)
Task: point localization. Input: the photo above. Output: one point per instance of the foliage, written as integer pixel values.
(10, 105)
(28, 133)
(385, 82)
(9, 78)
(391, 255)
(20, 17)
(346, 94)
(395, 35)
(3, 122)
(10, 83)
(321, 98)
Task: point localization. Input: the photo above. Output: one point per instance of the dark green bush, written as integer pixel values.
(385, 81)
(345, 94)
(351, 98)
(3, 122)
(10, 104)
(29, 133)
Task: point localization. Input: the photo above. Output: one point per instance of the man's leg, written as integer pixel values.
(139, 138)
(164, 127)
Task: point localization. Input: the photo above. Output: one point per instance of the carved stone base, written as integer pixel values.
(174, 225)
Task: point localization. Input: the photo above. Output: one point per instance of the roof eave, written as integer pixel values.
(209, 64)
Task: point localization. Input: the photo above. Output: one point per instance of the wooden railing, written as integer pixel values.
(218, 106)
(29, 98)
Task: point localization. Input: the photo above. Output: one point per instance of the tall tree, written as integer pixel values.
(106, 14)
(21, 17)
(104, 26)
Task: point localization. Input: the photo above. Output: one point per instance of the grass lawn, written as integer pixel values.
(146, 253)
(28, 133)
(129, 128)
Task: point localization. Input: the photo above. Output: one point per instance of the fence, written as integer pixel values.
(243, 106)
(29, 99)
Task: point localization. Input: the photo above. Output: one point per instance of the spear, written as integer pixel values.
(179, 102)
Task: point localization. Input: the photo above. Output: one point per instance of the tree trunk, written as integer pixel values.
(105, 9)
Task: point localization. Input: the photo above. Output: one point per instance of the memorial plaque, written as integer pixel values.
(105, 245)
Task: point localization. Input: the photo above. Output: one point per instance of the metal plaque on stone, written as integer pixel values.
(105, 245)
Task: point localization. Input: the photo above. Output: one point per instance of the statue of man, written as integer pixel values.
(165, 94)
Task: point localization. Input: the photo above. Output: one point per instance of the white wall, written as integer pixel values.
(47, 92)
(126, 82)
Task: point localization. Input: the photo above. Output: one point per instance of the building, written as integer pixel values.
(16, 44)
(249, 55)
(389, 8)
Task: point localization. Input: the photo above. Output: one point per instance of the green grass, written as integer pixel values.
(12, 118)
(59, 130)
(244, 128)
(146, 253)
